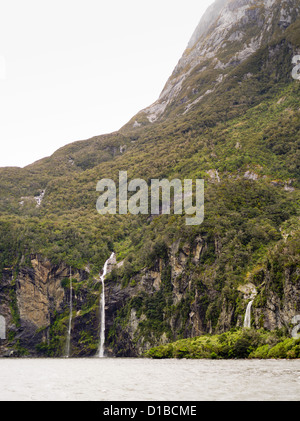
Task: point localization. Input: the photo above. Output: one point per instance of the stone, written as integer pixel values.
(226, 25)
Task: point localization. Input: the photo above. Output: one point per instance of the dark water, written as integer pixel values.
(149, 380)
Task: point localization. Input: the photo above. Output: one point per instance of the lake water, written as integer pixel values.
(148, 380)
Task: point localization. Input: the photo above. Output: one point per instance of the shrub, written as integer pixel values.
(280, 350)
(261, 352)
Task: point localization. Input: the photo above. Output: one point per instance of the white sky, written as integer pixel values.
(73, 69)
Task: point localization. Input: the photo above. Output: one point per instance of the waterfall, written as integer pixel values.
(102, 308)
(2, 328)
(70, 319)
(296, 321)
(247, 321)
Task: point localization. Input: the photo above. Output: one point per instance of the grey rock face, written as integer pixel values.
(229, 32)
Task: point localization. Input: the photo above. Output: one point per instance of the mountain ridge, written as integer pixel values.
(220, 25)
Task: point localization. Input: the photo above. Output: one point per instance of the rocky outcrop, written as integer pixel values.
(276, 309)
(39, 292)
(229, 32)
(192, 307)
(31, 301)
(160, 304)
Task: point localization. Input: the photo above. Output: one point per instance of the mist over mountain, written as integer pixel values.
(229, 114)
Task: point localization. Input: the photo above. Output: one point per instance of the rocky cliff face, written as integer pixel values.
(39, 292)
(33, 301)
(161, 303)
(228, 34)
(168, 302)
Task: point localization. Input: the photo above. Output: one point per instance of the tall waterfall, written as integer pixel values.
(70, 318)
(102, 308)
(247, 320)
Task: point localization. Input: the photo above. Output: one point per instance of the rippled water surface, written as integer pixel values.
(148, 380)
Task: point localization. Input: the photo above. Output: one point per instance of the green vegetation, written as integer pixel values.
(244, 343)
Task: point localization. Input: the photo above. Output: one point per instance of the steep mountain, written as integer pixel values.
(227, 35)
(229, 114)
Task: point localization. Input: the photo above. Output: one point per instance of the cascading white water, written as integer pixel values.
(70, 319)
(247, 320)
(102, 308)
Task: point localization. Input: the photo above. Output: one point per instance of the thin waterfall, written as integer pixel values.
(102, 308)
(68, 344)
(247, 320)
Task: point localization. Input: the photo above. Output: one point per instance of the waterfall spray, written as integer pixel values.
(102, 308)
(247, 320)
(70, 318)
